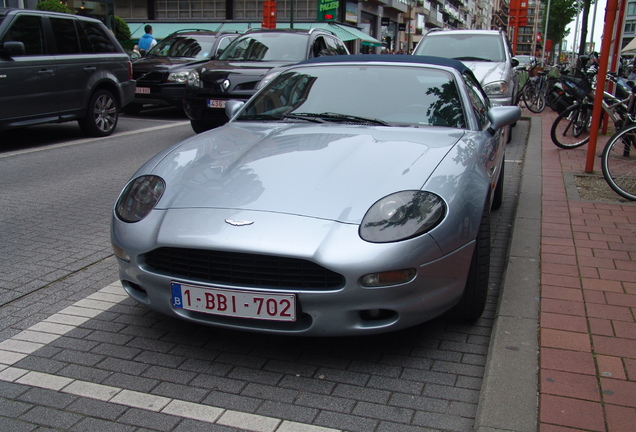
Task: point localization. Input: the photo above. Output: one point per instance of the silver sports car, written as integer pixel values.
(350, 195)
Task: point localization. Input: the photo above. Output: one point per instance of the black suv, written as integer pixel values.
(162, 73)
(253, 57)
(58, 67)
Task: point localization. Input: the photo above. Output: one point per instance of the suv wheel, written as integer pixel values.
(101, 115)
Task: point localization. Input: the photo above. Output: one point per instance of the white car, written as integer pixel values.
(486, 52)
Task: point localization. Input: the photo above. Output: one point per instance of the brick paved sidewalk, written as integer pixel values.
(588, 301)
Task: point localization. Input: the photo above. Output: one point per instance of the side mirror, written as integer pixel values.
(232, 107)
(514, 62)
(501, 116)
(12, 48)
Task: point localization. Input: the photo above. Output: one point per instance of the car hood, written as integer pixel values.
(322, 171)
(487, 72)
(170, 63)
(213, 70)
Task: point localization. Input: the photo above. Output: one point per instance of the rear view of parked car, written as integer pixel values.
(58, 67)
(162, 73)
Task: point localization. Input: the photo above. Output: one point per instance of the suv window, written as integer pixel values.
(335, 47)
(28, 30)
(65, 36)
(183, 46)
(286, 47)
(99, 42)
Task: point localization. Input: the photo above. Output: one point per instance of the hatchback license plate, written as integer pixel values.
(142, 90)
(216, 103)
(242, 304)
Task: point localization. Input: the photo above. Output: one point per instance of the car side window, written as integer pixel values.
(478, 104)
(28, 29)
(98, 40)
(65, 36)
(335, 47)
(320, 47)
(223, 44)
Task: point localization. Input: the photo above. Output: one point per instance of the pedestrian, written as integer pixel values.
(147, 41)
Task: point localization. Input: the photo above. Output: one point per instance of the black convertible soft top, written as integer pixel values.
(390, 58)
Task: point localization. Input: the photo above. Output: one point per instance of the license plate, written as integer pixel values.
(216, 103)
(242, 304)
(142, 90)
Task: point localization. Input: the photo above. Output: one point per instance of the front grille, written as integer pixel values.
(241, 269)
(150, 77)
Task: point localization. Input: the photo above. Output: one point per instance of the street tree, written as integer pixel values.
(561, 14)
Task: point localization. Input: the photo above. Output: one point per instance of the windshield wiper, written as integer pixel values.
(309, 117)
(329, 116)
(260, 117)
(469, 58)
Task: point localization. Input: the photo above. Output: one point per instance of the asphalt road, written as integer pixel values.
(122, 367)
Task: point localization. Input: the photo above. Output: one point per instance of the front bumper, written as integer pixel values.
(348, 309)
(161, 94)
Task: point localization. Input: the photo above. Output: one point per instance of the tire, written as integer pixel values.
(473, 301)
(199, 126)
(101, 115)
(497, 200)
(571, 128)
(619, 162)
(132, 108)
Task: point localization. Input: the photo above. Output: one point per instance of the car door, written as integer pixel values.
(27, 82)
(76, 68)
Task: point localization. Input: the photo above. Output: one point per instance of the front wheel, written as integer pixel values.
(571, 128)
(101, 114)
(473, 302)
(619, 162)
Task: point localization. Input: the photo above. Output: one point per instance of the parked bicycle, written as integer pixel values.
(537, 90)
(618, 162)
(572, 127)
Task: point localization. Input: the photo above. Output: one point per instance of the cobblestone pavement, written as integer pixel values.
(76, 354)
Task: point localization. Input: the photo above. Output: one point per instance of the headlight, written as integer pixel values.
(178, 77)
(139, 197)
(266, 79)
(193, 79)
(402, 215)
(497, 88)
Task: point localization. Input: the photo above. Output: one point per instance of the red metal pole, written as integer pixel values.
(608, 30)
(616, 52)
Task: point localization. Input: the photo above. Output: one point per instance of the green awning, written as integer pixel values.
(161, 30)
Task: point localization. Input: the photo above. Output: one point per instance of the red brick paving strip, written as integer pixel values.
(588, 302)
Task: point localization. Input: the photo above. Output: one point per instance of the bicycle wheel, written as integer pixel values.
(619, 162)
(571, 128)
(534, 98)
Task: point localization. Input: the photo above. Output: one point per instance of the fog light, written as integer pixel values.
(394, 277)
(121, 254)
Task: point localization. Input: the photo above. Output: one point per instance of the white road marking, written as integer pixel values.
(28, 341)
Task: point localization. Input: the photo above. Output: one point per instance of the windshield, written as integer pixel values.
(371, 94)
(287, 47)
(184, 46)
(467, 47)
